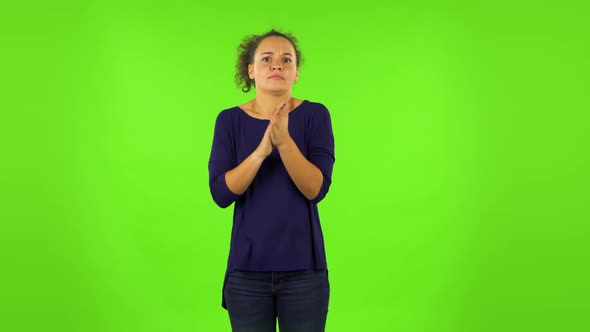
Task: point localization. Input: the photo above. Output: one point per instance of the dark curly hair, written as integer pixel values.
(246, 55)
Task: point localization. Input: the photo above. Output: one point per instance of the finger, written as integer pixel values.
(279, 108)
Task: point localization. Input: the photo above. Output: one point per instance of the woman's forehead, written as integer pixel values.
(275, 44)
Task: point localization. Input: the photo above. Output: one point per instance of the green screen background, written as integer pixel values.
(459, 199)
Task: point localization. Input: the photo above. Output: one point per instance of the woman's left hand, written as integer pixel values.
(279, 132)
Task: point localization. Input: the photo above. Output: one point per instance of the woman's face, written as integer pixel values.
(275, 65)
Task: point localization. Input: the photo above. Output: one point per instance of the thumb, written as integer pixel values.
(282, 108)
(270, 126)
(279, 108)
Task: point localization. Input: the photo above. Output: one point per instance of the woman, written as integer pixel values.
(273, 156)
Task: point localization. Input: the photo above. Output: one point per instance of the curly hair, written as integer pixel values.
(246, 55)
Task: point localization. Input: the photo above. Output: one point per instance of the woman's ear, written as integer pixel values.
(251, 71)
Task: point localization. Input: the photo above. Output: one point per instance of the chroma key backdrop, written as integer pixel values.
(459, 198)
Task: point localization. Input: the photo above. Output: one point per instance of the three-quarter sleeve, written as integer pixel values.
(321, 149)
(222, 160)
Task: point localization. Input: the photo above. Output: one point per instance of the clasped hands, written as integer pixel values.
(277, 132)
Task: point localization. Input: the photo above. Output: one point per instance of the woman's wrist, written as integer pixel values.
(286, 143)
(259, 156)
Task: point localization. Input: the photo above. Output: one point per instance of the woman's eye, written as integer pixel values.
(266, 59)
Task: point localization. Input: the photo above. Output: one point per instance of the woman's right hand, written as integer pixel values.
(239, 179)
(265, 147)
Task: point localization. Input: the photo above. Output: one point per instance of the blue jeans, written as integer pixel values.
(298, 298)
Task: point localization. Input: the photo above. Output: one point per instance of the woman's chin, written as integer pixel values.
(274, 89)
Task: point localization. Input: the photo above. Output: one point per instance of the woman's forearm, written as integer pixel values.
(306, 176)
(240, 178)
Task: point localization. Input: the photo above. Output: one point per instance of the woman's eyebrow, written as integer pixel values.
(284, 53)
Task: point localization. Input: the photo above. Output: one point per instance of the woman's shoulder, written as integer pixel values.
(247, 107)
(316, 104)
(316, 108)
(229, 112)
(227, 117)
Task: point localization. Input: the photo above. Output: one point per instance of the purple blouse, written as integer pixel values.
(275, 227)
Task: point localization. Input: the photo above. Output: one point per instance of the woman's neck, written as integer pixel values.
(265, 104)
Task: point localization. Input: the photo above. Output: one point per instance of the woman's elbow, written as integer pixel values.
(222, 203)
(219, 197)
(316, 194)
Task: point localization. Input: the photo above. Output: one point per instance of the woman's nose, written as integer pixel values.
(276, 67)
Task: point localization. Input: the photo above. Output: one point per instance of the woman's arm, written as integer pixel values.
(227, 181)
(306, 176)
(240, 178)
(311, 175)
